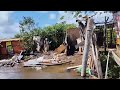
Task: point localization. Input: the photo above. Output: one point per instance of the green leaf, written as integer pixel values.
(61, 18)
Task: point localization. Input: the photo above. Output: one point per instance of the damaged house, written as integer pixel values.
(9, 47)
(72, 35)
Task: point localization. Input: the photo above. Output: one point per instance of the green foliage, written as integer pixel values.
(17, 36)
(113, 67)
(55, 33)
(61, 17)
(27, 24)
(26, 33)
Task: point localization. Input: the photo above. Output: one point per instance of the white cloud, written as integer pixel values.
(47, 25)
(8, 28)
(4, 16)
(68, 17)
(52, 16)
(42, 11)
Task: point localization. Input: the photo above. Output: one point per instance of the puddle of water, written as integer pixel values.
(51, 72)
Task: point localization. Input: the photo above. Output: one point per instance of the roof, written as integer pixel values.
(5, 40)
(109, 25)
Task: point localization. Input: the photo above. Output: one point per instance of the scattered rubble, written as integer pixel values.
(46, 61)
(11, 62)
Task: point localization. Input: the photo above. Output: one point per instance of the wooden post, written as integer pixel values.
(105, 36)
(65, 41)
(107, 31)
(106, 19)
(95, 59)
(107, 66)
(100, 75)
(88, 37)
(81, 29)
(111, 31)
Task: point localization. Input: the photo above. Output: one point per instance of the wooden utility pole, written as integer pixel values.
(111, 37)
(88, 37)
(106, 19)
(105, 36)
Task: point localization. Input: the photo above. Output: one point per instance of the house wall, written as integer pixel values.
(16, 45)
(72, 35)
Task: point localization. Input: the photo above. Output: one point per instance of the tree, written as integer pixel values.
(17, 36)
(26, 26)
(55, 33)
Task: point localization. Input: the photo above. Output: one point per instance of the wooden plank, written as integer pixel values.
(98, 61)
(51, 64)
(32, 65)
(60, 49)
(95, 59)
(106, 72)
(73, 67)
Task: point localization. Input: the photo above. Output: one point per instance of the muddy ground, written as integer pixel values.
(50, 72)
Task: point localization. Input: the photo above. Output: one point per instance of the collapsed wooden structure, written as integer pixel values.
(90, 46)
(90, 53)
(87, 43)
(90, 43)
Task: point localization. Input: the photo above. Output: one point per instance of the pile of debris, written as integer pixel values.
(11, 62)
(44, 61)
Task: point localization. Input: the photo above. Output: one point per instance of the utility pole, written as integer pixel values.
(88, 37)
(106, 19)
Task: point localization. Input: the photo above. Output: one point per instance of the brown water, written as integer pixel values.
(50, 72)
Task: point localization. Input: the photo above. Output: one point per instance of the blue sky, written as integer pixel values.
(42, 18)
(9, 20)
